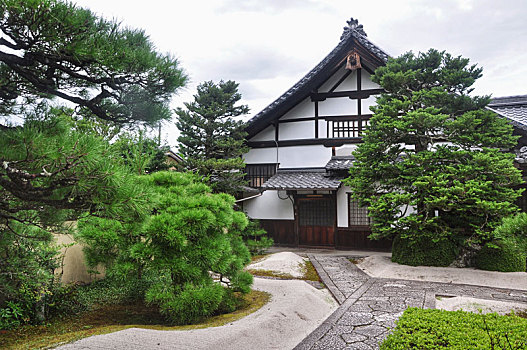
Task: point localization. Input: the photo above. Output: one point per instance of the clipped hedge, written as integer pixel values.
(503, 255)
(513, 227)
(423, 251)
(427, 329)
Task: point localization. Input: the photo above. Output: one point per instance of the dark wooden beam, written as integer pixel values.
(324, 117)
(306, 119)
(316, 119)
(348, 117)
(359, 101)
(337, 142)
(341, 80)
(321, 96)
(359, 79)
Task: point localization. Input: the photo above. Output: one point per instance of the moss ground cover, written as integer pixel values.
(112, 318)
(426, 329)
(310, 273)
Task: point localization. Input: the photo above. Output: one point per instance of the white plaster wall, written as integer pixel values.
(322, 129)
(269, 206)
(345, 150)
(342, 206)
(332, 80)
(314, 156)
(304, 109)
(350, 83)
(337, 106)
(304, 156)
(296, 130)
(266, 134)
(260, 155)
(366, 81)
(366, 103)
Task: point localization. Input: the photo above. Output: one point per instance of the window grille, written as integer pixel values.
(348, 128)
(316, 212)
(358, 216)
(257, 174)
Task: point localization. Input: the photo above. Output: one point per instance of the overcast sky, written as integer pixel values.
(268, 45)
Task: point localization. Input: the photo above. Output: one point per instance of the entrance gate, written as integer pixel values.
(316, 221)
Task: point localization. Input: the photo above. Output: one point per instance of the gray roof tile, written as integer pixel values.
(513, 108)
(340, 163)
(352, 30)
(302, 179)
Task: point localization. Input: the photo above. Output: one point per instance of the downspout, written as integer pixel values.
(247, 198)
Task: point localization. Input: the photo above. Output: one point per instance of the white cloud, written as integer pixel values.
(267, 46)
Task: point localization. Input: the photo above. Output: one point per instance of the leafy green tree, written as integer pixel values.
(211, 140)
(255, 238)
(191, 236)
(432, 165)
(141, 153)
(52, 48)
(52, 173)
(52, 167)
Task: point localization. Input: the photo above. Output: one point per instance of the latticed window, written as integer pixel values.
(358, 216)
(316, 212)
(348, 128)
(257, 174)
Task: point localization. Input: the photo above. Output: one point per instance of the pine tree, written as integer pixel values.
(432, 166)
(54, 49)
(190, 234)
(211, 140)
(53, 168)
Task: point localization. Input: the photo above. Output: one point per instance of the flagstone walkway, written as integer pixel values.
(370, 306)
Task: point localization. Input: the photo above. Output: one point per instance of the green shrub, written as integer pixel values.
(423, 250)
(189, 304)
(255, 238)
(28, 257)
(514, 227)
(11, 316)
(427, 329)
(191, 237)
(503, 255)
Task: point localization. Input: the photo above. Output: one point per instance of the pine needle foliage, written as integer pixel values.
(433, 162)
(53, 167)
(53, 48)
(189, 252)
(212, 142)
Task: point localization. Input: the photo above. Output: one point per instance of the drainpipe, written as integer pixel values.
(247, 198)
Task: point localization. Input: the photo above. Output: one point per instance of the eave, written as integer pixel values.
(353, 39)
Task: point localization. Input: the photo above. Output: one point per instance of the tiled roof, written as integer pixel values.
(340, 163)
(513, 108)
(302, 179)
(302, 88)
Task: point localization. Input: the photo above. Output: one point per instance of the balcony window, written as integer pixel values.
(257, 174)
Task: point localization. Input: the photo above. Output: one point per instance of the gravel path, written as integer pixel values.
(370, 306)
(295, 310)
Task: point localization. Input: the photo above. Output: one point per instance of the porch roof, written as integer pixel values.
(513, 108)
(302, 179)
(340, 163)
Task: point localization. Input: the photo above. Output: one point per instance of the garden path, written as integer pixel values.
(370, 306)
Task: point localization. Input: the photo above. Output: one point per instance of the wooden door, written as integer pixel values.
(316, 221)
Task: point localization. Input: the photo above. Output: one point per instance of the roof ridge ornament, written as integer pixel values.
(353, 61)
(353, 26)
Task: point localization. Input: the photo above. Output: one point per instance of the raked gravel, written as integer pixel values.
(295, 310)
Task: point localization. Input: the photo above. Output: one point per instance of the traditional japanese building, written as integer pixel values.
(301, 148)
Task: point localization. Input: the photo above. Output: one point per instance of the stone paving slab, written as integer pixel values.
(370, 307)
(340, 276)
